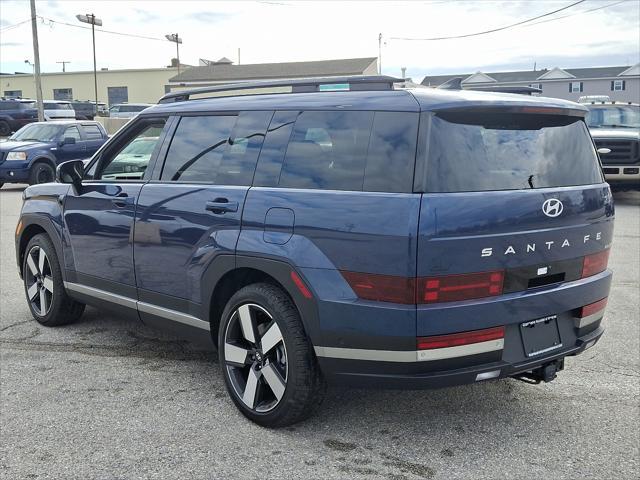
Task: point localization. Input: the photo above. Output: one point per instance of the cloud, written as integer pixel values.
(11, 44)
(208, 17)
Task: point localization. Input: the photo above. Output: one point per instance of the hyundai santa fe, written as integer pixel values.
(348, 231)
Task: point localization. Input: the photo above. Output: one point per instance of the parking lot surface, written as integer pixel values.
(108, 398)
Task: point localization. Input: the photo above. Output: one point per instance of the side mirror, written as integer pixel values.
(71, 172)
(68, 141)
(604, 151)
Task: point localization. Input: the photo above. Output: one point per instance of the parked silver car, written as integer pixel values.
(127, 110)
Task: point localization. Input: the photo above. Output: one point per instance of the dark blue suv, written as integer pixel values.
(349, 231)
(33, 152)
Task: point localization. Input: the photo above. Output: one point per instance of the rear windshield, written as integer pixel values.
(498, 151)
(57, 106)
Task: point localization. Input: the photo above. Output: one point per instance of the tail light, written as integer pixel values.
(382, 288)
(458, 339)
(593, 308)
(452, 288)
(595, 263)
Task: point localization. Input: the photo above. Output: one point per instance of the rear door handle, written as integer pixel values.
(122, 200)
(221, 205)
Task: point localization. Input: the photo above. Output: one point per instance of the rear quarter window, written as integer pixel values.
(92, 132)
(481, 152)
(371, 151)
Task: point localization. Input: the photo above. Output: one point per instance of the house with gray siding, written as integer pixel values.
(620, 84)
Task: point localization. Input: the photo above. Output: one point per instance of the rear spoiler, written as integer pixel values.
(508, 107)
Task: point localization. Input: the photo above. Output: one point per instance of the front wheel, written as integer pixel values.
(49, 303)
(41, 172)
(267, 360)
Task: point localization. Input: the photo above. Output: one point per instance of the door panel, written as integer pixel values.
(181, 225)
(99, 220)
(99, 215)
(177, 236)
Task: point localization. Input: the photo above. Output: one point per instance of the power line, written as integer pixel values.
(15, 25)
(51, 20)
(489, 31)
(578, 13)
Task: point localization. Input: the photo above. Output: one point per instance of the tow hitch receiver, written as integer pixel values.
(544, 373)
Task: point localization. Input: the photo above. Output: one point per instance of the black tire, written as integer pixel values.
(304, 386)
(5, 128)
(45, 278)
(41, 172)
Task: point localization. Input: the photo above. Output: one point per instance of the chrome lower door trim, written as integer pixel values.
(140, 306)
(101, 294)
(173, 315)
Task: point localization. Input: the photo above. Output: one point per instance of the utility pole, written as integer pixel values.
(91, 18)
(36, 61)
(380, 54)
(238, 55)
(64, 63)
(173, 37)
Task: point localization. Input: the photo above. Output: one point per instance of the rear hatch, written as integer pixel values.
(516, 198)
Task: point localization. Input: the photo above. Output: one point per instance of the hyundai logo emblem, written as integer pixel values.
(552, 207)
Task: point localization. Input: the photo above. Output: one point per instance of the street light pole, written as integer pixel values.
(91, 18)
(36, 61)
(380, 54)
(173, 37)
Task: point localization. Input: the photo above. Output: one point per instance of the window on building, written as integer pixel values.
(13, 93)
(618, 85)
(117, 95)
(536, 85)
(62, 94)
(576, 87)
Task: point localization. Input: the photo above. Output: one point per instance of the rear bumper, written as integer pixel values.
(367, 374)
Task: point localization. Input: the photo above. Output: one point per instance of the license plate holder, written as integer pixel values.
(540, 336)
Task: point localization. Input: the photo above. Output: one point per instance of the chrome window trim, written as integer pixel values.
(140, 306)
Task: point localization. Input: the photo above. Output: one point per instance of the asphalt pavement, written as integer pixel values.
(110, 398)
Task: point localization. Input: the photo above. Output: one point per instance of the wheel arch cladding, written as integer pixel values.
(32, 227)
(42, 159)
(249, 270)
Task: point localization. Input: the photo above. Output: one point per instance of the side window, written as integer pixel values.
(130, 159)
(274, 148)
(239, 160)
(327, 151)
(392, 152)
(72, 132)
(197, 148)
(92, 132)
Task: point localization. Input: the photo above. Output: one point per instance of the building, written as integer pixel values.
(148, 85)
(619, 83)
(224, 71)
(114, 86)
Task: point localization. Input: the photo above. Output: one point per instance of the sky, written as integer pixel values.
(284, 31)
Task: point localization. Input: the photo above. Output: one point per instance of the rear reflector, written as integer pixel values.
(458, 339)
(453, 288)
(382, 288)
(300, 284)
(595, 263)
(593, 308)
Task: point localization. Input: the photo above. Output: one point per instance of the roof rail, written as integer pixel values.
(298, 85)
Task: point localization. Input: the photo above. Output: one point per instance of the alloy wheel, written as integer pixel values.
(39, 281)
(255, 357)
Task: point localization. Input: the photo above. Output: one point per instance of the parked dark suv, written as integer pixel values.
(33, 152)
(16, 113)
(349, 231)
